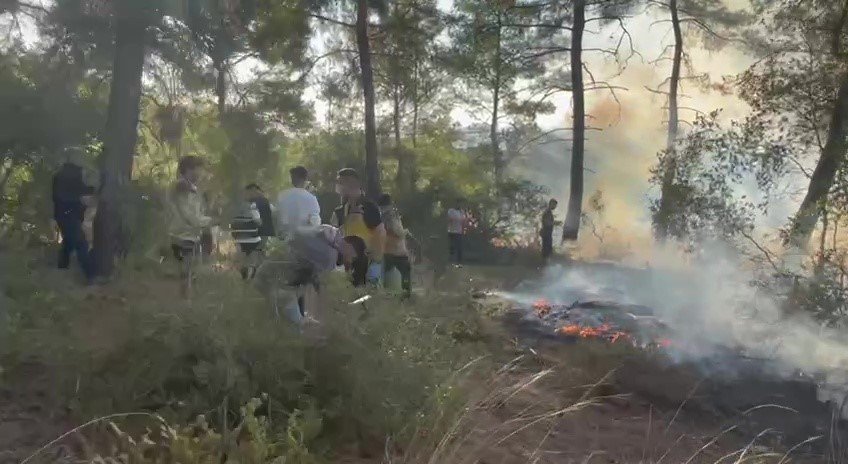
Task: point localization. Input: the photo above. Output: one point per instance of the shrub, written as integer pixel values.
(137, 346)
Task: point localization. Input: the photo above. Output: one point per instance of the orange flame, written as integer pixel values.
(542, 307)
(604, 331)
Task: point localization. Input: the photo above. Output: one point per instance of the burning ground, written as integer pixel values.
(704, 340)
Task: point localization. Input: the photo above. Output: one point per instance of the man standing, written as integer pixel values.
(457, 220)
(297, 207)
(362, 224)
(70, 195)
(547, 230)
(396, 254)
(252, 227)
(257, 197)
(188, 219)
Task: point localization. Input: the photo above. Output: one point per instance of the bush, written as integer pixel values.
(139, 347)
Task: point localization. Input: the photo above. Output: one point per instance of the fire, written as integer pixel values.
(542, 307)
(604, 331)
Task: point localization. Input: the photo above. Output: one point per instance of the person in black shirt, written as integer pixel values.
(256, 196)
(547, 230)
(69, 204)
(251, 228)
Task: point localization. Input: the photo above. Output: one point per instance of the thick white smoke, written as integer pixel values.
(712, 308)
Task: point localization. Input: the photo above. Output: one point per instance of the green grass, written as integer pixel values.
(382, 369)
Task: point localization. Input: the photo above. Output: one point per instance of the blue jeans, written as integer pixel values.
(455, 250)
(73, 241)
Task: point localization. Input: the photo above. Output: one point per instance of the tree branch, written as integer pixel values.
(332, 21)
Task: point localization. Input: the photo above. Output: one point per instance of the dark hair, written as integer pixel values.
(187, 163)
(298, 174)
(349, 173)
(384, 200)
(553, 200)
(253, 185)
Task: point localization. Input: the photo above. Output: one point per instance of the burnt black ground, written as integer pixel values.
(750, 395)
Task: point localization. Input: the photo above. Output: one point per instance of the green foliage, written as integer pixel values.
(712, 164)
(50, 112)
(141, 347)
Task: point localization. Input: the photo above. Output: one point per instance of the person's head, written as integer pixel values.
(253, 191)
(552, 204)
(299, 175)
(70, 172)
(460, 203)
(385, 201)
(348, 183)
(191, 168)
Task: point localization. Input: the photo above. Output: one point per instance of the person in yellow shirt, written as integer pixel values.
(395, 252)
(362, 224)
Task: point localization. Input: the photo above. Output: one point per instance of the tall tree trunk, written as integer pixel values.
(821, 181)
(575, 200)
(120, 135)
(400, 178)
(372, 164)
(666, 209)
(220, 65)
(497, 156)
(221, 87)
(415, 77)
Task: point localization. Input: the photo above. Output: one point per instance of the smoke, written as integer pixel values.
(629, 128)
(712, 308)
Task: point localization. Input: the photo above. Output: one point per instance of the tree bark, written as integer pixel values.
(400, 178)
(120, 136)
(221, 88)
(571, 227)
(497, 156)
(415, 103)
(372, 164)
(821, 181)
(669, 167)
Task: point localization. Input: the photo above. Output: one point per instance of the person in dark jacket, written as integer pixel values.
(256, 196)
(69, 203)
(546, 231)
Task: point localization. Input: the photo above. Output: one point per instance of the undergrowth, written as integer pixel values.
(379, 373)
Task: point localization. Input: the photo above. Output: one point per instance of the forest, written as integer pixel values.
(693, 309)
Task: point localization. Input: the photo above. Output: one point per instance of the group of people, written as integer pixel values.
(367, 237)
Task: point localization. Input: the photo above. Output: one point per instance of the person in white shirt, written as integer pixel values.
(457, 220)
(297, 208)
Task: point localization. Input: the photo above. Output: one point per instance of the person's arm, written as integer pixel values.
(202, 219)
(314, 214)
(378, 242)
(374, 221)
(395, 226)
(254, 213)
